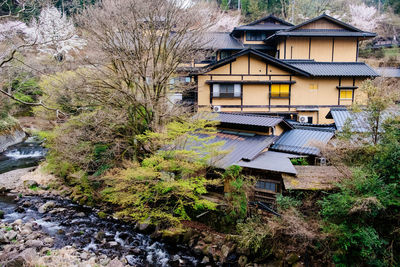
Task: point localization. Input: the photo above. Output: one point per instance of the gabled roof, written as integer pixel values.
(333, 69)
(346, 31)
(303, 141)
(222, 40)
(270, 161)
(268, 23)
(239, 147)
(358, 121)
(250, 119)
(270, 18)
(268, 58)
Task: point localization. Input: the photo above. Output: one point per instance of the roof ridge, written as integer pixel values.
(251, 115)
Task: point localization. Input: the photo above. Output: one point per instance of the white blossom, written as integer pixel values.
(365, 17)
(12, 28)
(55, 33)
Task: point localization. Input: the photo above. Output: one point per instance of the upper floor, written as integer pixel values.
(323, 39)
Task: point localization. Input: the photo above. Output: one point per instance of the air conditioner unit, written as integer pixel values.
(216, 108)
(303, 119)
(320, 161)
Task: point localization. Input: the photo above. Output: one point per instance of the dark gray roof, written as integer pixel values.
(270, 18)
(262, 27)
(358, 121)
(388, 72)
(222, 40)
(347, 31)
(343, 69)
(323, 33)
(270, 161)
(279, 63)
(303, 141)
(248, 119)
(238, 147)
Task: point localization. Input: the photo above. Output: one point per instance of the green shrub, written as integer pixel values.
(299, 161)
(286, 202)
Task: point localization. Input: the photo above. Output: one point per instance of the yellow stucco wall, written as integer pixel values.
(344, 49)
(304, 92)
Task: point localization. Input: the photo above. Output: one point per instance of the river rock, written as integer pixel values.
(26, 231)
(80, 214)
(3, 190)
(46, 206)
(144, 225)
(115, 263)
(3, 238)
(84, 256)
(205, 260)
(11, 235)
(49, 241)
(17, 222)
(30, 183)
(1, 214)
(34, 243)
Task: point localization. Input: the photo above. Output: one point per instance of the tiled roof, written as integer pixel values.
(343, 69)
(248, 119)
(262, 27)
(389, 72)
(323, 33)
(303, 141)
(222, 40)
(239, 147)
(270, 161)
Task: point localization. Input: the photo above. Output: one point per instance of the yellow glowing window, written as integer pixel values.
(279, 90)
(346, 94)
(313, 86)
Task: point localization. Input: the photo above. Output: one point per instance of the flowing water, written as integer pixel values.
(26, 154)
(75, 225)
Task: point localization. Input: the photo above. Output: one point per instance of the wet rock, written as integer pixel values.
(26, 204)
(144, 225)
(20, 209)
(100, 236)
(29, 254)
(113, 244)
(1, 214)
(34, 243)
(80, 214)
(46, 206)
(26, 231)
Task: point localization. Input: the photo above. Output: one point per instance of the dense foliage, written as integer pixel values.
(363, 218)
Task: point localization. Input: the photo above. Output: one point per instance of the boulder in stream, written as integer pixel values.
(46, 206)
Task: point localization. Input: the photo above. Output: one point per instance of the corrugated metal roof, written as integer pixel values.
(303, 141)
(270, 161)
(239, 147)
(389, 72)
(248, 119)
(343, 69)
(358, 120)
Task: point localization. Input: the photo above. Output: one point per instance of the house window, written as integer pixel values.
(226, 90)
(225, 54)
(280, 90)
(255, 36)
(346, 94)
(269, 186)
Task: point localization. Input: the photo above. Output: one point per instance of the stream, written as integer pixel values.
(79, 226)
